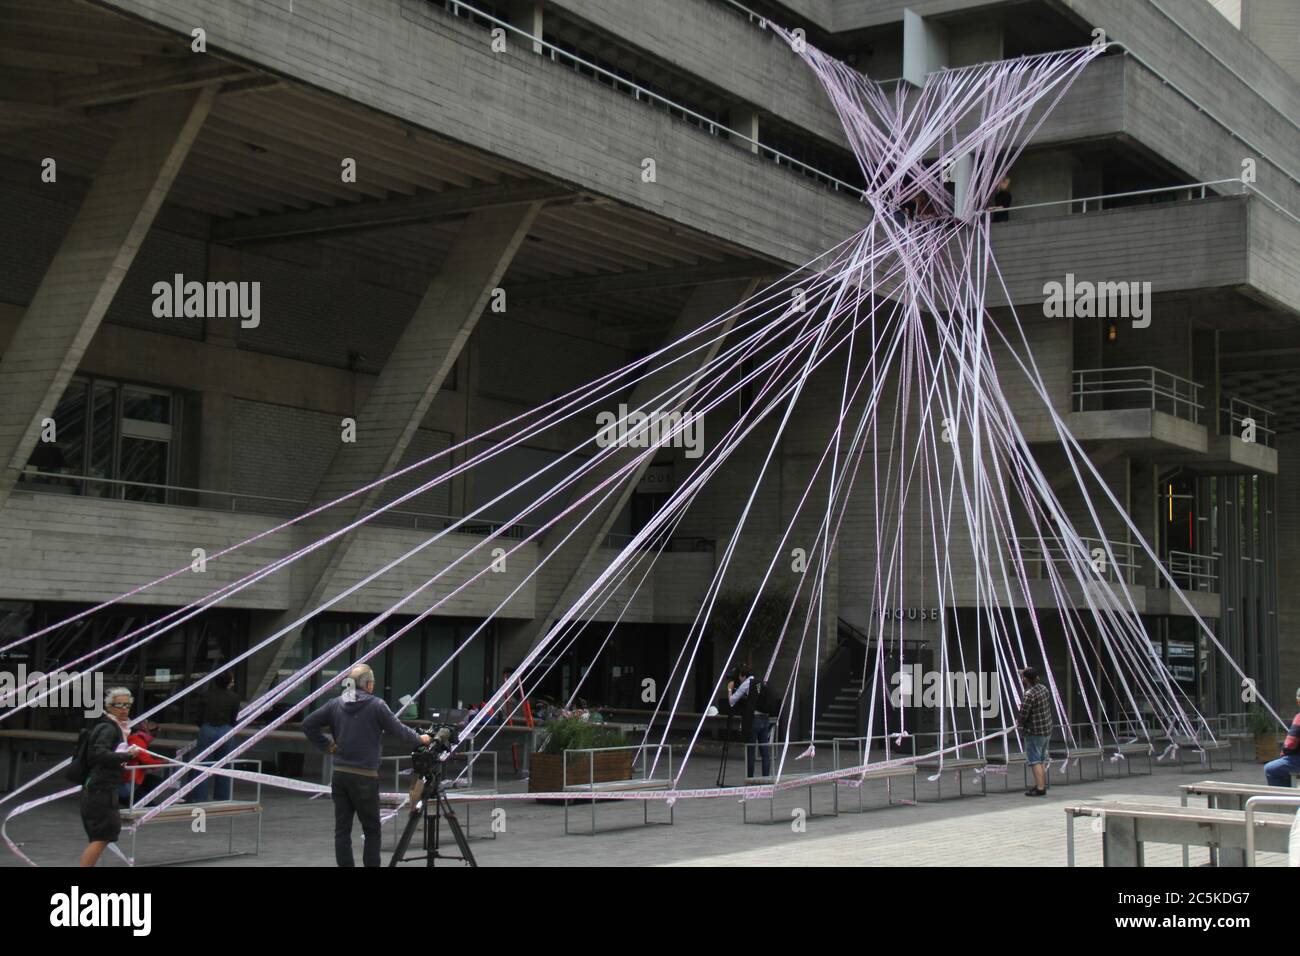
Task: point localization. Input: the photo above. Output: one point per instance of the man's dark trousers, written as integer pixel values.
(355, 794)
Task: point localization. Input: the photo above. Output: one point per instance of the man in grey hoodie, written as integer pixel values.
(355, 721)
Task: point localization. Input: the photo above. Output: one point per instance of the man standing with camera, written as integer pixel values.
(355, 720)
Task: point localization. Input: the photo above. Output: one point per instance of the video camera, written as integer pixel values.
(425, 759)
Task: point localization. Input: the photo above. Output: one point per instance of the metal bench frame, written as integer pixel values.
(592, 787)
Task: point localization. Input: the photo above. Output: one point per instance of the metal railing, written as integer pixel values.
(48, 482)
(1136, 386)
(64, 483)
(1239, 418)
(1193, 572)
(1037, 553)
(1253, 804)
(636, 91)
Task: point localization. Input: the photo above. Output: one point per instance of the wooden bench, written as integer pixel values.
(185, 813)
(618, 786)
(771, 801)
(1078, 755)
(1126, 827)
(1226, 795)
(961, 765)
(1129, 750)
(1205, 751)
(594, 788)
(1001, 764)
(887, 774)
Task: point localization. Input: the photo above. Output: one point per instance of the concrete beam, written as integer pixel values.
(401, 396)
(644, 281)
(426, 207)
(563, 582)
(91, 263)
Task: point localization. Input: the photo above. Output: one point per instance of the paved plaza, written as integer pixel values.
(1002, 829)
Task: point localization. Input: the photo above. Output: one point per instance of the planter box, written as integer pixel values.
(546, 771)
(1267, 747)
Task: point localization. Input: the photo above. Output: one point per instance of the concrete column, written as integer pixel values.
(91, 263)
(562, 581)
(744, 119)
(527, 16)
(400, 398)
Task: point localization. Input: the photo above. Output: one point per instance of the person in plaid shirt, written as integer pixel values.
(1035, 722)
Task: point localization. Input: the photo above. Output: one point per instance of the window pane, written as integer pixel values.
(471, 661)
(406, 676)
(102, 439)
(146, 406)
(440, 640)
(67, 454)
(145, 461)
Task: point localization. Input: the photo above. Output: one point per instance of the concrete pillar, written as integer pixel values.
(744, 119)
(91, 263)
(562, 581)
(527, 16)
(400, 398)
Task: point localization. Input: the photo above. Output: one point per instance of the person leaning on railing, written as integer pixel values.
(1278, 772)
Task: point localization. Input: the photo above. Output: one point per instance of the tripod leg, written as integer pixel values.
(412, 820)
(454, 825)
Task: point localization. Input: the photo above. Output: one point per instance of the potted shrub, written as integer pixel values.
(546, 768)
(1265, 728)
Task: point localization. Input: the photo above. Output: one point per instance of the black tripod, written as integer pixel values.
(421, 802)
(726, 746)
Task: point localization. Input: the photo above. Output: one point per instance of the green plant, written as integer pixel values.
(574, 733)
(1261, 722)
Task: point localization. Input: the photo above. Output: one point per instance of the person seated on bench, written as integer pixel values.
(1035, 722)
(1278, 772)
(141, 737)
(756, 710)
(356, 720)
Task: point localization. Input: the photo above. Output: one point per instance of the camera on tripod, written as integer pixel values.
(426, 759)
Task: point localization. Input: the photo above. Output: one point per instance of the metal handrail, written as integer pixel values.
(1145, 385)
(148, 484)
(1262, 801)
(1258, 414)
(640, 91)
(1201, 570)
(1056, 553)
(1124, 195)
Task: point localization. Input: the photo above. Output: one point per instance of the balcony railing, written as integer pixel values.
(1194, 572)
(1136, 386)
(1037, 553)
(1240, 418)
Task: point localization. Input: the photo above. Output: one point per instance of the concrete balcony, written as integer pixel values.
(421, 65)
(1239, 242)
(1196, 580)
(1143, 409)
(57, 544)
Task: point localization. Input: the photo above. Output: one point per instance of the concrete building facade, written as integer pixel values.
(434, 224)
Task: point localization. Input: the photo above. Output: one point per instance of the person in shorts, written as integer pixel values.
(1035, 722)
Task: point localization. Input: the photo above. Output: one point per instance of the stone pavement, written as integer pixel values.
(998, 830)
